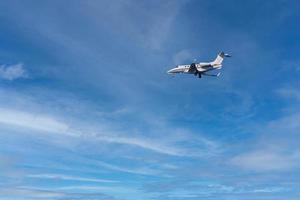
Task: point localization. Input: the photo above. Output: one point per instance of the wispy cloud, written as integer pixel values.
(18, 193)
(150, 144)
(167, 145)
(267, 160)
(276, 149)
(117, 189)
(12, 72)
(31, 121)
(48, 194)
(132, 170)
(204, 189)
(292, 93)
(170, 141)
(70, 178)
(270, 190)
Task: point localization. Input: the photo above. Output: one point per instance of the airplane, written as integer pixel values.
(201, 68)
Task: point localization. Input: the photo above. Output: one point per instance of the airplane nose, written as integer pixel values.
(170, 71)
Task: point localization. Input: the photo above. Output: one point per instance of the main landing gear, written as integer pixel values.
(198, 73)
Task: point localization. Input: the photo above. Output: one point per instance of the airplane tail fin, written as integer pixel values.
(220, 58)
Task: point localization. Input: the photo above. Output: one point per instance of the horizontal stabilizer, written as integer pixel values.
(215, 75)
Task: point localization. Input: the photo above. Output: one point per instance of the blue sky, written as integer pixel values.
(87, 110)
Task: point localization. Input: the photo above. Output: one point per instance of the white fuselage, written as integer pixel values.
(201, 67)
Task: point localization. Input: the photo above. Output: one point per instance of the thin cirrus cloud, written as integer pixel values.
(265, 160)
(292, 93)
(277, 149)
(31, 121)
(17, 193)
(164, 144)
(69, 178)
(144, 143)
(44, 123)
(23, 192)
(140, 171)
(12, 72)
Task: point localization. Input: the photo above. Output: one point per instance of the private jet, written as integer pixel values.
(199, 69)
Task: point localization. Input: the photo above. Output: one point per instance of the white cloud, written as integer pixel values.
(12, 72)
(287, 124)
(277, 148)
(153, 145)
(85, 188)
(23, 193)
(50, 124)
(141, 170)
(270, 190)
(71, 178)
(31, 121)
(168, 142)
(162, 145)
(292, 93)
(267, 160)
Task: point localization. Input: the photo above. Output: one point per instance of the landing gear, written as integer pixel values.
(198, 74)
